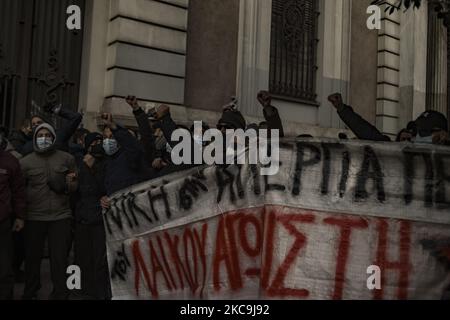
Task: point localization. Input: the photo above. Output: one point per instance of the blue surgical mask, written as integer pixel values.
(423, 140)
(44, 143)
(110, 146)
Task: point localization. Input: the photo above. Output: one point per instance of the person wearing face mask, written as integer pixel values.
(90, 244)
(125, 159)
(12, 208)
(50, 175)
(71, 122)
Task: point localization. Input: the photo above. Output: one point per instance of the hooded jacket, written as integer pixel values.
(63, 135)
(45, 177)
(91, 188)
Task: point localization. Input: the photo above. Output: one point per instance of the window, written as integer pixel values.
(293, 56)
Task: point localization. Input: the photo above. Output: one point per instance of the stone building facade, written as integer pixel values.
(194, 55)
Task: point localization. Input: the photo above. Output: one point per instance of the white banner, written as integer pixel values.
(310, 232)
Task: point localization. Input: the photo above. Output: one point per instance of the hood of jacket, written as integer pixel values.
(52, 131)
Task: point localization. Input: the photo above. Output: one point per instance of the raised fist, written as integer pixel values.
(336, 100)
(264, 98)
(133, 102)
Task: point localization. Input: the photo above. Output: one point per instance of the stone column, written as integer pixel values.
(93, 69)
(436, 64)
(389, 69)
(413, 64)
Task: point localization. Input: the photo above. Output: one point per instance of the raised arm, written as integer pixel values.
(270, 113)
(148, 140)
(359, 126)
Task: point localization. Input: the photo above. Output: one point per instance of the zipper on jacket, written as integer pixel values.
(47, 168)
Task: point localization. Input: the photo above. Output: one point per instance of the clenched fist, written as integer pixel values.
(336, 100)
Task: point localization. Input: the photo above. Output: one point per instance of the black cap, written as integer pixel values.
(430, 121)
(90, 138)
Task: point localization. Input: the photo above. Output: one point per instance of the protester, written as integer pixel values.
(431, 127)
(125, 159)
(145, 129)
(50, 177)
(18, 238)
(76, 145)
(63, 135)
(273, 120)
(408, 134)
(90, 242)
(12, 207)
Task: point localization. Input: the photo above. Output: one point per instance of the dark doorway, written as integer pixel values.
(40, 59)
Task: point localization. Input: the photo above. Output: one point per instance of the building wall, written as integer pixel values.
(211, 53)
(195, 55)
(333, 74)
(135, 47)
(364, 54)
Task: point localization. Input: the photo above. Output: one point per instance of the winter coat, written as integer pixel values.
(45, 177)
(91, 188)
(125, 168)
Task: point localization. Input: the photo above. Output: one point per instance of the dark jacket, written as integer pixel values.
(273, 120)
(126, 167)
(147, 137)
(360, 127)
(168, 126)
(77, 151)
(47, 190)
(91, 188)
(18, 139)
(63, 134)
(12, 187)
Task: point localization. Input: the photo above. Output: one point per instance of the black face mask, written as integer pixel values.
(97, 151)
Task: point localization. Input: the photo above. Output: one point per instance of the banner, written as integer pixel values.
(351, 220)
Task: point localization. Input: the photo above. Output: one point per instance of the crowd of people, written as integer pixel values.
(55, 184)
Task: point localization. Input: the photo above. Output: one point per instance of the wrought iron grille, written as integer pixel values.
(293, 56)
(40, 59)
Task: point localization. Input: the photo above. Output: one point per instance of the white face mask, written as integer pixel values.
(44, 143)
(110, 146)
(423, 140)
